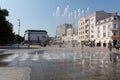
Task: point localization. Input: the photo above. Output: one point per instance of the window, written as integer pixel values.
(104, 27)
(92, 36)
(104, 34)
(114, 34)
(115, 18)
(98, 35)
(114, 26)
(92, 26)
(92, 31)
(109, 34)
(109, 26)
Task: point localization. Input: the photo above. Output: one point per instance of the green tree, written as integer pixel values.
(18, 38)
(6, 28)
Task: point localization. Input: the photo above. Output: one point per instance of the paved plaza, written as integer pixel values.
(58, 63)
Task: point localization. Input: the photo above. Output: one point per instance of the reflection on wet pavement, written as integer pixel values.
(65, 65)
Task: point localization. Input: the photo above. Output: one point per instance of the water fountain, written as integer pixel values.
(10, 58)
(74, 64)
(35, 57)
(24, 57)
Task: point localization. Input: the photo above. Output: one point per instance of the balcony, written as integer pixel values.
(115, 37)
(114, 29)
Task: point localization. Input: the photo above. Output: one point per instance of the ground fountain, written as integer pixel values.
(65, 65)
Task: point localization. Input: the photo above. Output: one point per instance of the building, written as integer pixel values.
(61, 31)
(87, 30)
(71, 35)
(82, 31)
(35, 36)
(108, 30)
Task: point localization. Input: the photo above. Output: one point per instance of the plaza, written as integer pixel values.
(61, 63)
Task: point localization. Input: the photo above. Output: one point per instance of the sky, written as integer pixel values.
(47, 14)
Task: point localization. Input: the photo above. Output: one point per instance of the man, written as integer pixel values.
(110, 46)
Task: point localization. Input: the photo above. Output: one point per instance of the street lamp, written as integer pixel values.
(18, 31)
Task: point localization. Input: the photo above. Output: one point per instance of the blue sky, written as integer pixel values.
(47, 14)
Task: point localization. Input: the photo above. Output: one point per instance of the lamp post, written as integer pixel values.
(18, 31)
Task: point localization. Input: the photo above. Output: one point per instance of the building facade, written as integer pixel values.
(82, 30)
(35, 35)
(108, 30)
(87, 26)
(71, 35)
(61, 32)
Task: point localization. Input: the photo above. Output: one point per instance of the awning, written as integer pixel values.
(115, 37)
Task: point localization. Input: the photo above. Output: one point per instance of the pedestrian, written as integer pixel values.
(82, 45)
(117, 47)
(110, 46)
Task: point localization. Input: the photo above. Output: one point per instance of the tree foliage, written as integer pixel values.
(6, 28)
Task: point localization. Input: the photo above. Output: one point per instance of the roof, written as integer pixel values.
(36, 31)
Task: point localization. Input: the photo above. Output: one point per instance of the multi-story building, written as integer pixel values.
(87, 26)
(61, 31)
(71, 35)
(35, 35)
(82, 30)
(108, 30)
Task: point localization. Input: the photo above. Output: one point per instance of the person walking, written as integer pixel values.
(82, 45)
(110, 46)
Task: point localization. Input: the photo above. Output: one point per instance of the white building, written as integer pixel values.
(71, 35)
(87, 29)
(35, 35)
(61, 32)
(108, 30)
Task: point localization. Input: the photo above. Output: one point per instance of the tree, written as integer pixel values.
(18, 38)
(6, 28)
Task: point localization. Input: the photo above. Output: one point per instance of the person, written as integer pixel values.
(82, 45)
(110, 46)
(117, 47)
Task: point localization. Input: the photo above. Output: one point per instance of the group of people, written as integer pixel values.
(110, 46)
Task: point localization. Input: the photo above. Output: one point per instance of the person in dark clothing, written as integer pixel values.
(110, 46)
(117, 47)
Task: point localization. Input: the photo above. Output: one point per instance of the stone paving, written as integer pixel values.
(15, 73)
(26, 71)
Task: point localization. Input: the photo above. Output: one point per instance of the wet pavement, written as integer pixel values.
(64, 65)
